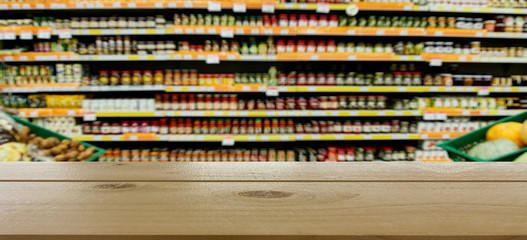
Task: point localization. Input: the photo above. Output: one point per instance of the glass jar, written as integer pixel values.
(103, 78)
(114, 78)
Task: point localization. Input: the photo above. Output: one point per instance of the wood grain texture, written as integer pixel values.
(258, 172)
(220, 201)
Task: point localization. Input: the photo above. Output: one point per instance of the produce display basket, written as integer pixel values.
(457, 148)
(42, 132)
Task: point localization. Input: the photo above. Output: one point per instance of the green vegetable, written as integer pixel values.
(493, 149)
(521, 158)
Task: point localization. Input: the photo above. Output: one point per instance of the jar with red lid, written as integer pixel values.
(333, 103)
(311, 46)
(323, 21)
(302, 103)
(283, 20)
(292, 78)
(323, 127)
(280, 46)
(292, 20)
(191, 102)
(290, 127)
(232, 105)
(163, 126)
(106, 128)
(302, 79)
(347, 127)
(144, 127)
(115, 129)
(188, 126)
(321, 46)
(173, 127)
(321, 79)
(166, 102)
(313, 20)
(134, 127)
(333, 21)
(290, 48)
(331, 46)
(86, 128)
(96, 128)
(154, 127)
(324, 102)
(302, 20)
(311, 79)
(301, 46)
(331, 79)
(314, 103)
(280, 104)
(290, 104)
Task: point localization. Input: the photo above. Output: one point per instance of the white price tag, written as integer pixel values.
(380, 32)
(172, 5)
(438, 34)
(178, 31)
(158, 5)
(246, 88)
(314, 57)
(33, 114)
(239, 7)
(99, 5)
(26, 35)
(436, 62)
(268, 31)
(214, 6)
(64, 33)
(43, 34)
(132, 5)
(187, 4)
(289, 5)
(10, 35)
(89, 116)
(116, 5)
(323, 8)
(15, 6)
(351, 32)
(3, 7)
(446, 136)
(90, 5)
(200, 30)
(352, 58)
(227, 141)
(212, 59)
(79, 5)
(428, 116)
(403, 33)
(133, 138)
(272, 92)
(268, 8)
(71, 113)
(311, 32)
(212, 31)
(40, 6)
(483, 91)
(22, 58)
(284, 32)
(227, 33)
(441, 116)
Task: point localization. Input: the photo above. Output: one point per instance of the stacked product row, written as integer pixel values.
(403, 75)
(329, 154)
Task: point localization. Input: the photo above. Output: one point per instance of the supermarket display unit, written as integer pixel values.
(273, 49)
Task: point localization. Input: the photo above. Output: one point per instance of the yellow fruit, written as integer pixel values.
(507, 130)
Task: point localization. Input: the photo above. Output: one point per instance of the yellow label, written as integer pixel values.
(363, 114)
(381, 137)
(328, 137)
(185, 89)
(209, 114)
(258, 114)
(108, 138)
(95, 32)
(132, 58)
(353, 137)
(169, 89)
(241, 138)
(151, 31)
(344, 113)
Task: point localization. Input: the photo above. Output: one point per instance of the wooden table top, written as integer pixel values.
(257, 201)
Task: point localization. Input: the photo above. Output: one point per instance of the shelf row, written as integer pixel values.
(430, 113)
(227, 140)
(242, 6)
(28, 33)
(216, 57)
(74, 87)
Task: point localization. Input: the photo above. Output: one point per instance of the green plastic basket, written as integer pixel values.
(42, 132)
(457, 148)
